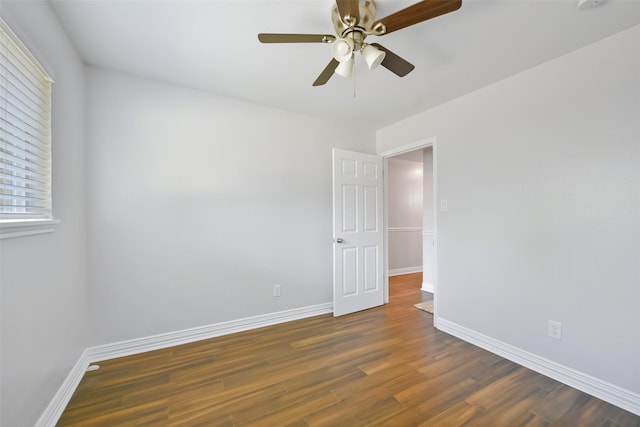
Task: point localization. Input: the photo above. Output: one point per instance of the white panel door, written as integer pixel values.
(357, 232)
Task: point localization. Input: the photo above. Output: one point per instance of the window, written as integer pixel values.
(25, 134)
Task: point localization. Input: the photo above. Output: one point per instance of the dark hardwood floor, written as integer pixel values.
(386, 366)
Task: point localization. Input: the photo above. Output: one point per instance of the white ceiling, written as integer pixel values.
(212, 45)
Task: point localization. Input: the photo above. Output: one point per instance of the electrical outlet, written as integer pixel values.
(555, 329)
(276, 290)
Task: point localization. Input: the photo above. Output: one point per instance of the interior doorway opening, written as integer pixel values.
(410, 227)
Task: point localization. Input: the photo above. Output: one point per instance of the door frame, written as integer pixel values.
(418, 145)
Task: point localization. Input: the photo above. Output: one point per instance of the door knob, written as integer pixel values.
(339, 240)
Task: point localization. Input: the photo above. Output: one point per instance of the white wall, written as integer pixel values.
(404, 198)
(199, 204)
(541, 174)
(44, 313)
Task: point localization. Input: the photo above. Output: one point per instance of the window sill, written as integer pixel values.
(26, 227)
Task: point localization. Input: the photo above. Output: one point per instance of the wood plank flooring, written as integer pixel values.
(386, 366)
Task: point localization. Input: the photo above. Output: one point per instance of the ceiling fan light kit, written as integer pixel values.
(342, 49)
(345, 68)
(353, 21)
(372, 56)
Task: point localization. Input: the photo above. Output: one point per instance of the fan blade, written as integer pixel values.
(349, 11)
(394, 63)
(326, 74)
(414, 14)
(295, 38)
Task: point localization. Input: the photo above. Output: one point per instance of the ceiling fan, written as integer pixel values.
(353, 21)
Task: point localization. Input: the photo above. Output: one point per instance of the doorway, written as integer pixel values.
(410, 235)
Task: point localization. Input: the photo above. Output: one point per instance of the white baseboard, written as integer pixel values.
(428, 287)
(56, 407)
(613, 394)
(54, 410)
(170, 339)
(405, 270)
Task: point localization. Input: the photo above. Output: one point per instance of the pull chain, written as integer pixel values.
(354, 77)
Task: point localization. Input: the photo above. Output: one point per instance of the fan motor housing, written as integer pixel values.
(363, 26)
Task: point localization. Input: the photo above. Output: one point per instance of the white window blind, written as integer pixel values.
(25, 132)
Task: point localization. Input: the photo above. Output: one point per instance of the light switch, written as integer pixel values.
(443, 206)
